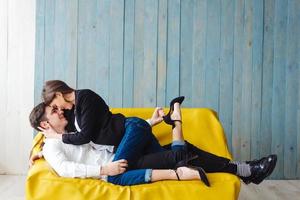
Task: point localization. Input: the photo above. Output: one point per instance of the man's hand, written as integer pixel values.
(114, 168)
(157, 116)
(50, 133)
(33, 158)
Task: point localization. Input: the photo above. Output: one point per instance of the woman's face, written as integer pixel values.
(60, 103)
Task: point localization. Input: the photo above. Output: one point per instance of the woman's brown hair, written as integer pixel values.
(53, 86)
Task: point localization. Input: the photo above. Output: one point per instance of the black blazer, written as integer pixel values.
(96, 122)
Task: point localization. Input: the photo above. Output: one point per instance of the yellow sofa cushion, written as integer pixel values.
(201, 127)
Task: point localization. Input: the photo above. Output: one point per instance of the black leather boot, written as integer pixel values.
(260, 169)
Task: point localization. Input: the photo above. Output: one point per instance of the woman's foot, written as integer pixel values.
(185, 173)
(176, 114)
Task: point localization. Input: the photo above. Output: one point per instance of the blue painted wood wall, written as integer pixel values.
(239, 57)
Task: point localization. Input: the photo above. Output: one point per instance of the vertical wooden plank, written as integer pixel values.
(138, 53)
(39, 50)
(291, 97)
(14, 60)
(226, 67)
(101, 68)
(65, 41)
(186, 50)
(25, 78)
(49, 56)
(246, 81)
(198, 59)
(60, 37)
(173, 46)
(150, 52)
(298, 128)
(212, 78)
(19, 93)
(298, 110)
(71, 42)
(128, 54)
(257, 52)
(237, 72)
(116, 53)
(162, 52)
(3, 77)
(87, 48)
(278, 96)
(268, 58)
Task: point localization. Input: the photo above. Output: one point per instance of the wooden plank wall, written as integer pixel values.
(17, 54)
(238, 57)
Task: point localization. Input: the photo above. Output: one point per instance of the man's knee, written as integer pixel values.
(115, 179)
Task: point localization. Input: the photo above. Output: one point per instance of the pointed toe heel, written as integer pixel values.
(167, 119)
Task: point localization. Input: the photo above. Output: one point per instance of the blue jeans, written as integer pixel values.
(137, 141)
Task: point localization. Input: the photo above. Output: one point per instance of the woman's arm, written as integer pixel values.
(92, 112)
(157, 116)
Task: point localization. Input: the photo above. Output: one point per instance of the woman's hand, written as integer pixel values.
(50, 133)
(114, 168)
(157, 116)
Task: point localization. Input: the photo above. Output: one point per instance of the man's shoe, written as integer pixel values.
(272, 159)
(260, 169)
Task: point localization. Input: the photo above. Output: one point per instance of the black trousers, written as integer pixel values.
(168, 159)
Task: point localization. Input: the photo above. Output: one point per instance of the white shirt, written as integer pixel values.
(81, 161)
(77, 160)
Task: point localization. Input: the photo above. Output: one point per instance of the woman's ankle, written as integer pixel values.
(176, 114)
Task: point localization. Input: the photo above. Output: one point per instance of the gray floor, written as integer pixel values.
(13, 188)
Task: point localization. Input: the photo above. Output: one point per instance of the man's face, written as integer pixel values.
(56, 118)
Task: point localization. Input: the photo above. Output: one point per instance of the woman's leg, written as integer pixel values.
(177, 133)
(142, 176)
(183, 173)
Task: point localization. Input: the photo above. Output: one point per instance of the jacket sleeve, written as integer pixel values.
(92, 111)
(59, 161)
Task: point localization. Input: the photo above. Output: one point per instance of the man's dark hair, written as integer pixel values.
(37, 115)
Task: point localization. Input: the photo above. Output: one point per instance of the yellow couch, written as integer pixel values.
(200, 126)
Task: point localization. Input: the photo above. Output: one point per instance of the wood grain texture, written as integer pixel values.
(239, 57)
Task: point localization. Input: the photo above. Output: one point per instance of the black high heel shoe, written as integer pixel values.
(167, 119)
(185, 163)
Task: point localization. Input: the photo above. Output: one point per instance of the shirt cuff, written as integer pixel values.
(93, 171)
(148, 175)
(149, 122)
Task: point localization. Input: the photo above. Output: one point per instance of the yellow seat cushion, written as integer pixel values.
(201, 127)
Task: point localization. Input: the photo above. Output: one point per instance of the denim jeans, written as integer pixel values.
(137, 141)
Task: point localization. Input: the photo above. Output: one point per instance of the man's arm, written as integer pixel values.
(65, 167)
(34, 158)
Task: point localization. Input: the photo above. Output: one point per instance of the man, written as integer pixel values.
(90, 160)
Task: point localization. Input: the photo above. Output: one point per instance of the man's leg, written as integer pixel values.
(131, 177)
(160, 160)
